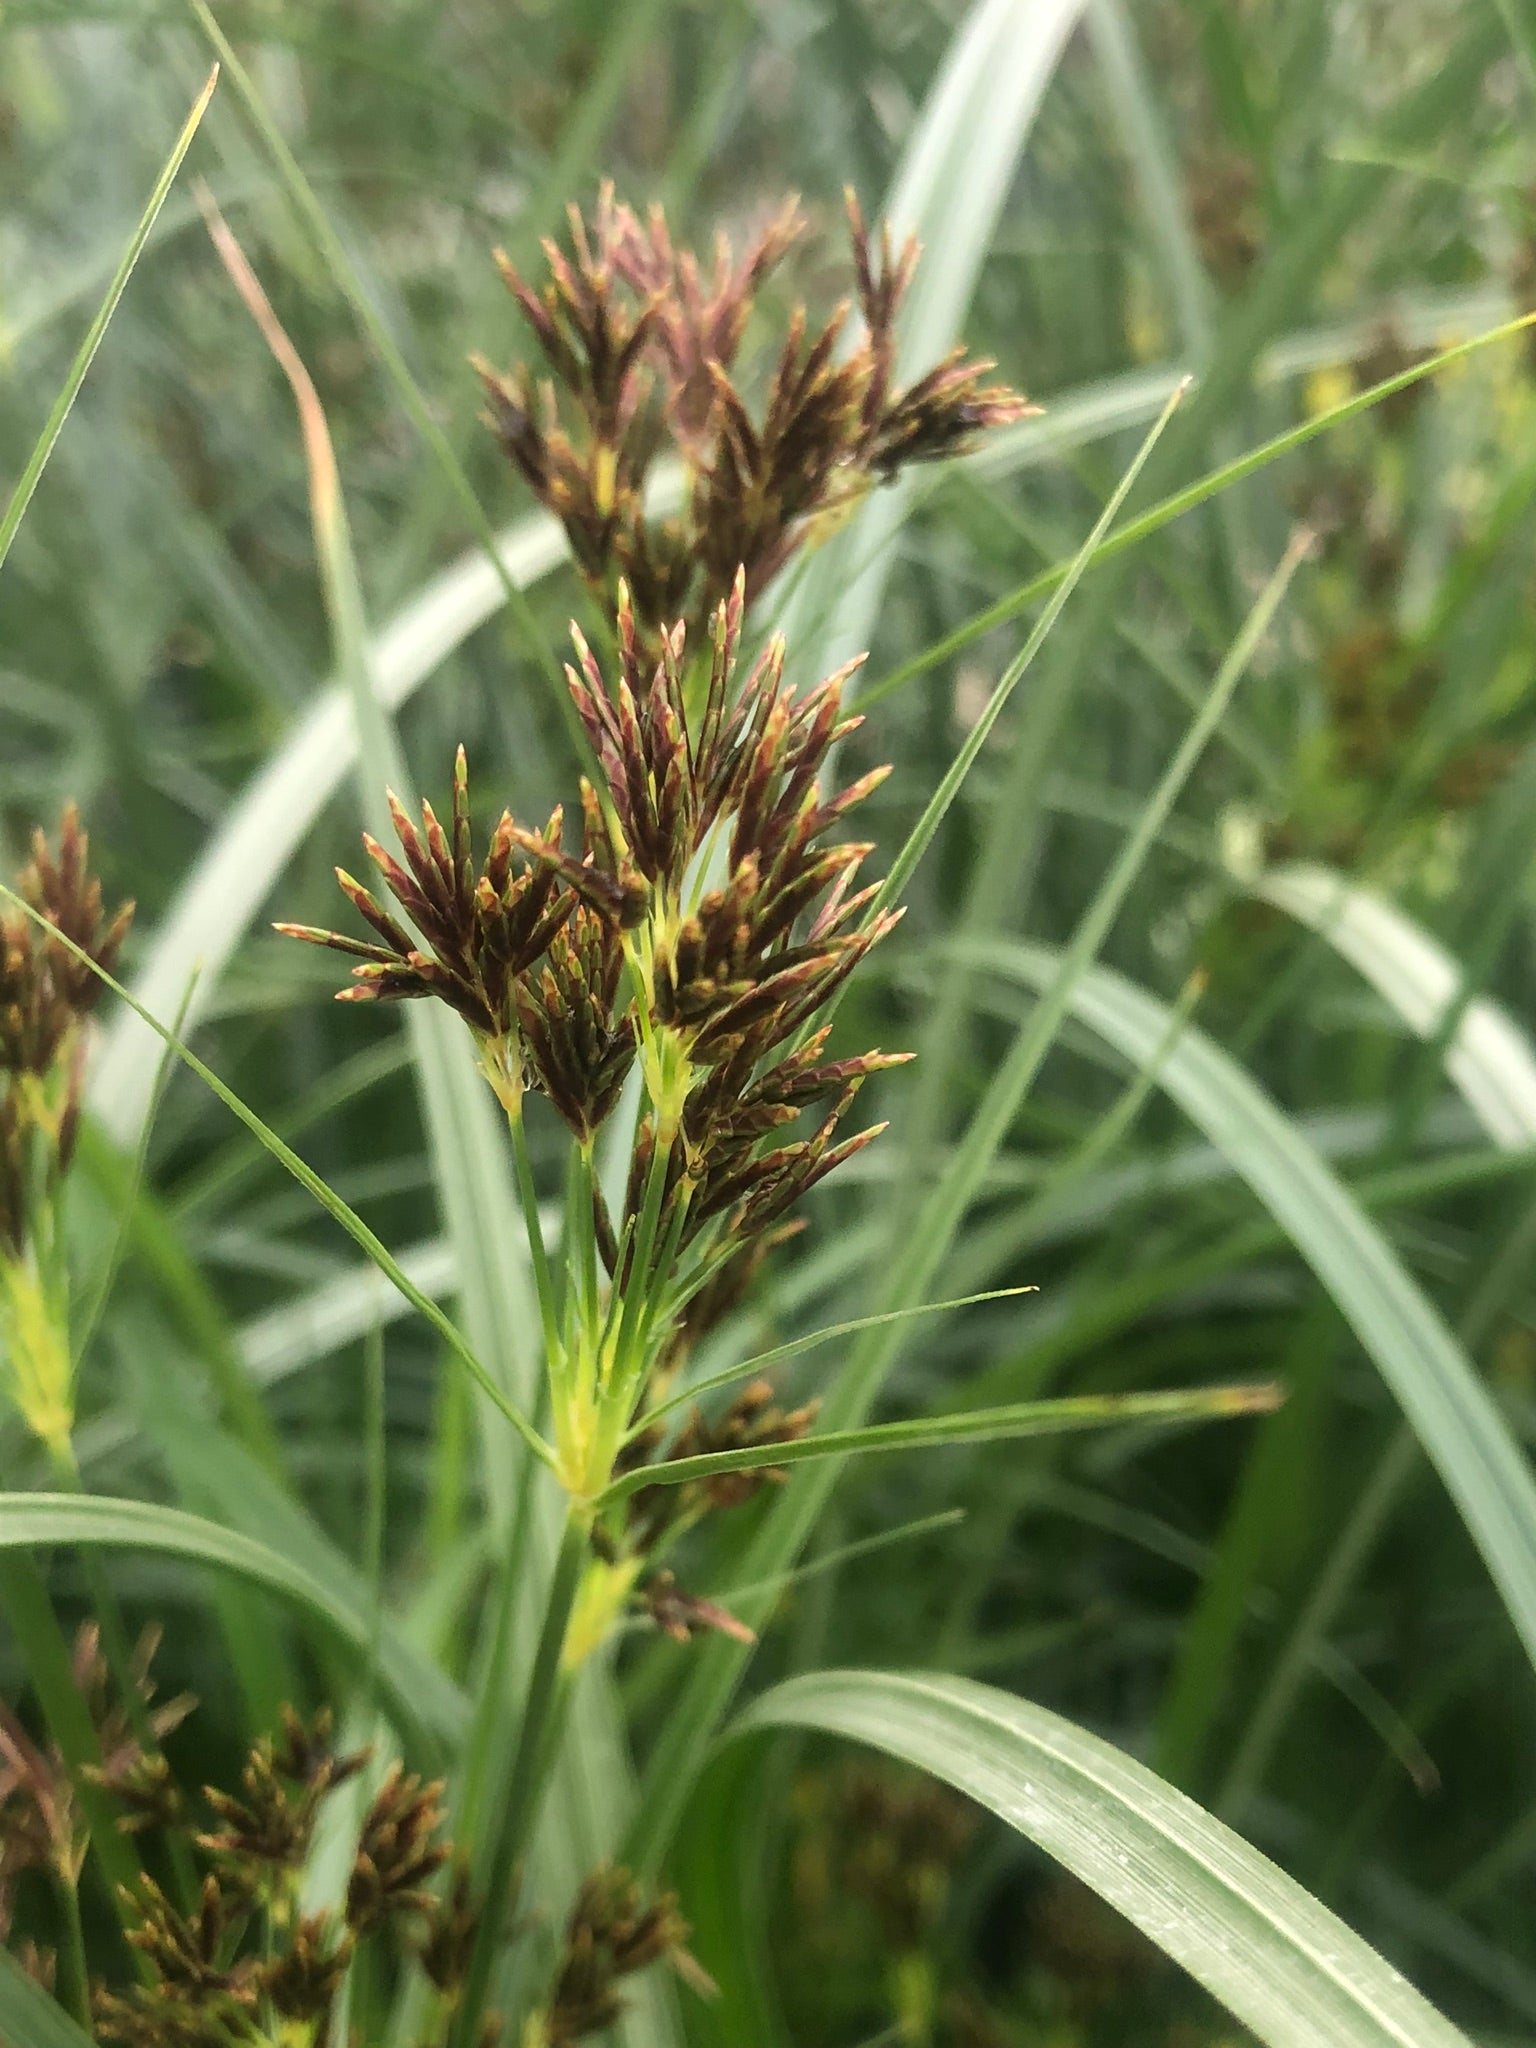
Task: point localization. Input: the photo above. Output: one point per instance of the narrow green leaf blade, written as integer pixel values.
(29, 2018)
(53, 426)
(796, 1347)
(979, 1426)
(1280, 1961)
(1428, 1372)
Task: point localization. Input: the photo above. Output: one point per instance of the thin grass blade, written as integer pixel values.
(979, 1426)
(37, 462)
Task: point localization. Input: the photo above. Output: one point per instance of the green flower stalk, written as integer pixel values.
(691, 938)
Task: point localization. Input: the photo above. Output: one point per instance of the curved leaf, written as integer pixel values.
(1488, 1059)
(1265, 1947)
(423, 1699)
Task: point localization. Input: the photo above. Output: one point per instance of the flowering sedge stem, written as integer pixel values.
(554, 1351)
(573, 1298)
(74, 1972)
(517, 1810)
(661, 1307)
(585, 1236)
(636, 1277)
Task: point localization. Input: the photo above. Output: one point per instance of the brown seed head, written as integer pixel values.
(396, 1855)
(642, 340)
(612, 1934)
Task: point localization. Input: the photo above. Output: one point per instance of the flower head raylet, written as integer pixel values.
(641, 341)
(46, 993)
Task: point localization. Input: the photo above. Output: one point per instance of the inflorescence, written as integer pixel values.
(699, 928)
(642, 343)
(707, 923)
(665, 975)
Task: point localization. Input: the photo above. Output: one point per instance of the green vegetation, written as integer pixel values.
(1077, 1589)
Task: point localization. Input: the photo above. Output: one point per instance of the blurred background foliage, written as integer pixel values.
(1287, 1617)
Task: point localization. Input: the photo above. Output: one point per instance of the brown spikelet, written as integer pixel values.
(641, 341)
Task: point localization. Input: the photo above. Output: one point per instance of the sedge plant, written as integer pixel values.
(664, 976)
(685, 951)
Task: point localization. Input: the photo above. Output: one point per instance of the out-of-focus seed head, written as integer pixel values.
(396, 1854)
(242, 1962)
(46, 994)
(683, 1615)
(752, 1419)
(303, 1980)
(41, 1824)
(45, 990)
(453, 1921)
(613, 1933)
(271, 1824)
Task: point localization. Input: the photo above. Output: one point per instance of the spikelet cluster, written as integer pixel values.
(642, 344)
(241, 1957)
(46, 992)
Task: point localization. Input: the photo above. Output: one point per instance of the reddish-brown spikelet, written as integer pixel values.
(483, 932)
(642, 354)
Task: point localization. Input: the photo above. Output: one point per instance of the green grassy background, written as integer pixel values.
(1286, 1617)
